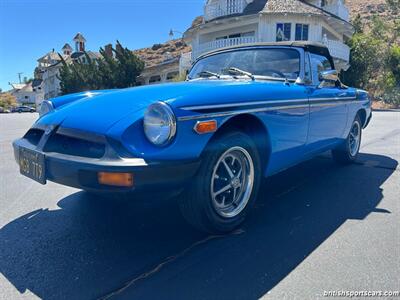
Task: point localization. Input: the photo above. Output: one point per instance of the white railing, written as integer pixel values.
(337, 49)
(220, 8)
(216, 44)
(338, 9)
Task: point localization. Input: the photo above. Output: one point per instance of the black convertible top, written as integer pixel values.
(312, 47)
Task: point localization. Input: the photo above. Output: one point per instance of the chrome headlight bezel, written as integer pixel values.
(159, 124)
(46, 107)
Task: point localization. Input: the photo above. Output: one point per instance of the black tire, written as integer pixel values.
(344, 154)
(196, 202)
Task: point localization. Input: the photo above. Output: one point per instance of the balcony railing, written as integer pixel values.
(338, 9)
(220, 8)
(337, 49)
(216, 44)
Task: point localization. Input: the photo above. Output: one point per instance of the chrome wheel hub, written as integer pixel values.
(355, 138)
(232, 182)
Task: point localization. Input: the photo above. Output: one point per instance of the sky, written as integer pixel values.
(31, 28)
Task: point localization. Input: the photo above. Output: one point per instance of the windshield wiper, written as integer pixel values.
(208, 74)
(236, 71)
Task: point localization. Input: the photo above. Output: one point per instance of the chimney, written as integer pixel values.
(108, 50)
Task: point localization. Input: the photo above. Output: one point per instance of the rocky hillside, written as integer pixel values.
(368, 8)
(161, 52)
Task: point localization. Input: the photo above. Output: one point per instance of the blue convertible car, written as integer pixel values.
(244, 113)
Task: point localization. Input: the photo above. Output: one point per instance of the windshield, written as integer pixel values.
(272, 62)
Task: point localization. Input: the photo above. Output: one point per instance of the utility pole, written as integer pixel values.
(19, 76)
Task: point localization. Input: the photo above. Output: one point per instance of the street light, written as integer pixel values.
(172, 33)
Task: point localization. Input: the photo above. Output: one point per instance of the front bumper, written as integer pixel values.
(82, 172)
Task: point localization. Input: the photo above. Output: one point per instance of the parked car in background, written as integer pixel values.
(23, 108)
(244, 113)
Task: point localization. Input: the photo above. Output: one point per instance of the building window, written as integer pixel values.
(237, 35)
(155, 79)
(283, 31)
(232, 36)
(302, 32)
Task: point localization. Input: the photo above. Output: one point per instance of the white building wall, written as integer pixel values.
(265, 29)
(51, 83)
(24, 97)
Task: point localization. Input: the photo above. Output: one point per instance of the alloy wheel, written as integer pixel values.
(232, 182)
(355, 138)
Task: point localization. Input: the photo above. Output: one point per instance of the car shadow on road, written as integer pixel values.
(92, 248)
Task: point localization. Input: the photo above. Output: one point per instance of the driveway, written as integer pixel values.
(316, 227)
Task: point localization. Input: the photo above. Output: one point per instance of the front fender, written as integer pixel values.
(187, 144)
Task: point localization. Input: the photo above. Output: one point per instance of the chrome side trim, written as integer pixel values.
(263, 109)
(333, 99)
(238, 112)
(242, 104)
(264, 102)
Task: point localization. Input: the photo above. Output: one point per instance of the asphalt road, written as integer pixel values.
(316, 227)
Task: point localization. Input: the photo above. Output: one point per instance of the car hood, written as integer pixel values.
(99, 111)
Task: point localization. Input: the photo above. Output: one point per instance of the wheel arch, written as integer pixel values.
(362, 113)
(252, 126)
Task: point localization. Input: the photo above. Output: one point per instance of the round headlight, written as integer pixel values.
(45, 108)
(159, 124)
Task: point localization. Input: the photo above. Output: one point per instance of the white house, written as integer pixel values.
(23, 92)
(30, 93)
(237, 22)
(49, 65)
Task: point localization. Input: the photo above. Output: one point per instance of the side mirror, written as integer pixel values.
(329, 76)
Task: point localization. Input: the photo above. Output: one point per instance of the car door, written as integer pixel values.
(288, 122)
(328, 108)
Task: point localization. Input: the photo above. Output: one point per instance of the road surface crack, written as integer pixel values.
(167, 261)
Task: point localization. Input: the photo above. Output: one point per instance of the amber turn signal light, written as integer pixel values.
(206, 127)
(116, 179)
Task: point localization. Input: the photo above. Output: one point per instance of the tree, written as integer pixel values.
(394, 62)
(7, 100)
(364, 59)
(27, 80)
(375, 59)
(108, 72)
